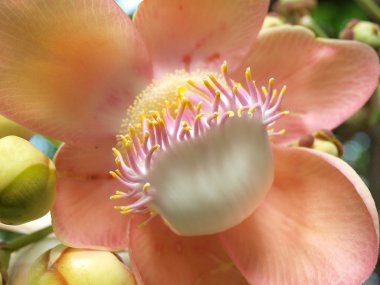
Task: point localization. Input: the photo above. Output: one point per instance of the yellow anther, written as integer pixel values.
(192, 83)
(199, 107)
(212, 77)
(271, 82)
(265, 91)
(235, 89)
(248, 74)
(199, 116)
(184, 124)
(115, 197)
(214, 115)
(274, 94)
(132, 129)
(128, 145)
(117, 171)
(251, 110)
(230, 113)
(240, 111)
(155, 115)
(285, 113)
(185, 101)
(115, 152)
(167, 104)
(118, 162)
(118, 208)
(282, 132)
(217, 95)
(207, 84)
(283, 90)
(126, 211)
(146, 136)
(120, 193)
(181, 90)
(223, 68)
(155, 147)
(124, 139)
(113, 174)
(146, 187)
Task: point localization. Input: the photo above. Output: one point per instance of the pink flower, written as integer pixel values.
(70, 69)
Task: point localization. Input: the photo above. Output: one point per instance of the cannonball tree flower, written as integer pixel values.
(261, 213)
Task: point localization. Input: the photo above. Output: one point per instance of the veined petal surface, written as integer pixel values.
(327, 80)
(69, 69)
(83, 215)
(159, 256)
(318, 225)
(195, 34)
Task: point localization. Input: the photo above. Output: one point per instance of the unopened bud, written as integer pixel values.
(362, 31)
(10, 128)
(301, 6)
(323, 140)
(23, 259)
(27, 181)
(64, 265)
(273, 20)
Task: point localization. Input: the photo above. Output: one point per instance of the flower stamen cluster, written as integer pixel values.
(197, 111)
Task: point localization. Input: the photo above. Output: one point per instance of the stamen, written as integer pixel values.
(197, 108)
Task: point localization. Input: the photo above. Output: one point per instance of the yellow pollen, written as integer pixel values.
(164, 94)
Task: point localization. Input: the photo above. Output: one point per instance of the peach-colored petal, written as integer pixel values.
(83, 215)
(69, 69)
(159, 256)
(327, 80)
(318, 225)
(198, 33)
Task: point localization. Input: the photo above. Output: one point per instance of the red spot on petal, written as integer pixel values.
(186, 59)
(213, 57)
(113, 100)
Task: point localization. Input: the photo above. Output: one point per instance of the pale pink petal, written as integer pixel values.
(327, 80)
(318, 225)
(198, 33)
(83, 215)
(69, 69)
(159, 256)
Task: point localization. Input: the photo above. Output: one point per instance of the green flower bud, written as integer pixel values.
(27, 180)
(368, 33)
(64, 265)
(10, 128)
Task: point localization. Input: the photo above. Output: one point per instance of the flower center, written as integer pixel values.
(183, 107)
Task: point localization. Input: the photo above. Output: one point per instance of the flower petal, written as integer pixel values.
(159, 256)
(83, 214)
(327, 80)
(318, 225)
(69, 69)
(198, 33)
